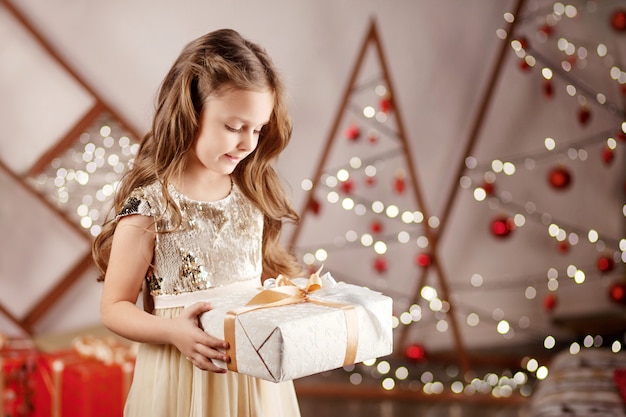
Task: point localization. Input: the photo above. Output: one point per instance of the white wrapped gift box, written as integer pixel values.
(326, 328)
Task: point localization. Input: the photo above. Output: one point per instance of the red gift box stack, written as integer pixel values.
(17, 370)
(90, 379)
(69, 384)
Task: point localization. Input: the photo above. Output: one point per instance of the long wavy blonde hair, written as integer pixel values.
(212, 65)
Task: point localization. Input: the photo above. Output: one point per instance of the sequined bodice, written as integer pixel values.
(218, 242)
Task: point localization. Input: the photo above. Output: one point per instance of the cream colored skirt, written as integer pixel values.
(165, 384)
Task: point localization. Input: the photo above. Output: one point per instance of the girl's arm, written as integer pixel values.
(131, 254)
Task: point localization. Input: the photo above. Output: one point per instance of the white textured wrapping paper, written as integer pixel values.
(293, 341)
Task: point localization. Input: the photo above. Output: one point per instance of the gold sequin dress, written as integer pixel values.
(216, 249)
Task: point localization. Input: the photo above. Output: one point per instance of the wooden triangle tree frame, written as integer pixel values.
(48, 300)
(372, 38)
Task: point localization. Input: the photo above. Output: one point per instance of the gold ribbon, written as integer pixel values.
(287, 293)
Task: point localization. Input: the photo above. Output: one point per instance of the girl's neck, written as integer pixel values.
(203, 188)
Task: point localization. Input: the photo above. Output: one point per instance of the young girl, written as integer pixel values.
(198, 216)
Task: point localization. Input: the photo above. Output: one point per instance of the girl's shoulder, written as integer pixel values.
(145, 200)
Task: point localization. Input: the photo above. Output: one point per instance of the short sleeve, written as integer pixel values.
(135, 204)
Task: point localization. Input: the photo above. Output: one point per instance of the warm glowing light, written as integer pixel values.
(532, 365)
(355, 162)
(616, 346)
(476, 280)
(579, 277)
(369, 112)
(480, 194)
(547, 73)
(321, 255)
(392, 211)
(402, 373)
(380, 248)
(503, 327)
(428, 293)
(542, 372)
(388, 384)
(383, 367)
(473, 319)
(332, 197)
(343, 175)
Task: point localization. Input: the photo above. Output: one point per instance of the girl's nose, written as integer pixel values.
(248, 140)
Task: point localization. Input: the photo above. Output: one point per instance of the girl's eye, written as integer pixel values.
(232, 129)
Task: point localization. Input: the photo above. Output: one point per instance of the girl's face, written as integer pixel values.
(229, 131)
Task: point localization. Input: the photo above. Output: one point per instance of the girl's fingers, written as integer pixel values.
(205, 363)
(210, 353)
(196, 309)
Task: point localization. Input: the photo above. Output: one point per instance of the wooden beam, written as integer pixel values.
(5, 312)
(54, 53)
(331, 136)
(453, 189)
(421, 205)
(29, 189)
(67, 141)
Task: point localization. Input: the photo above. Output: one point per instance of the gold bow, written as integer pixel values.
(286, 292)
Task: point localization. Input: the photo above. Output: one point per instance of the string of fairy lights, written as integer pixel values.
(480, 179)
(82, 180)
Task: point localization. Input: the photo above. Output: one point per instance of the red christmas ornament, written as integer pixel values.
(620, 135)
(353, 132)
(618, 20)
(372, 137)
(617, 292)
(399, 183)
(347, 186)
(523, 42)
(605, 263)
(523, 65)
(489, 187)
(608, 155)
(563, 247)
(572, 59)
(385, 104)
(380, 265)
(415, 352)
(423, 260)
(548, 91)
(315, 206)
(546, 30)
(584, 115)
(369, 181)
(559, 178)
(502, 226)
(550, 302)
(376, 227)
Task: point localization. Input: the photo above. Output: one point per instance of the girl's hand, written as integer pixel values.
(195, 344)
